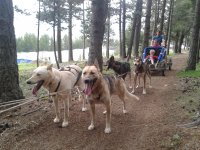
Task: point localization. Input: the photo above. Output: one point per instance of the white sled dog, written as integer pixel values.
(60, 82)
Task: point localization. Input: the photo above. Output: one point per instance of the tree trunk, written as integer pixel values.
(54, 35)
(59, 43)
(181, 37)
(98, 18)
(124, 30)
(191, 63)
(162, 16)
(83, 29)
(156, 16)
(137, 29)
(147, 25)
(9, 85)
(176, 42)
(198, 49)
(70, 31)
(170, 25)
(132, 32)
(38, 35)
(120, 28)
(108, 32)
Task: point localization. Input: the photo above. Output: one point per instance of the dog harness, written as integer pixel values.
(69, 69)
(57, 86)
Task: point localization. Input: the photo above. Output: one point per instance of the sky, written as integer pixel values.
(28, 24)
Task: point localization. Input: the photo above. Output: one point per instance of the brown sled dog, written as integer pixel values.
(141, 71)
(99, 88)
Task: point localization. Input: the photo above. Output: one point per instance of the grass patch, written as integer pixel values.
(26, 66)
(190, 73)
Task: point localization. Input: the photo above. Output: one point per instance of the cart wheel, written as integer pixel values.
(163, 73)
(170, 67)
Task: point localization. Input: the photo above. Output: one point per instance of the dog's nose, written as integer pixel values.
(28, 82)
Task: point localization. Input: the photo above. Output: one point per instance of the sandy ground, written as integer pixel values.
(150, 124)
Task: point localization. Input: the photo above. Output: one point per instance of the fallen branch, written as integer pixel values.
(6, 105)
(191, 124)
(30, 101)
(20, 100)
(31, 111)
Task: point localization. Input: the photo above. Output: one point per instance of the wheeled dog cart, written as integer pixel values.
(162, 63)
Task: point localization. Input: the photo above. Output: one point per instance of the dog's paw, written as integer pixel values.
(84, 109)
(144, 92)
(107, 130)
(91, 127)
(105, 112)
(137, 86)
(56, 120)
(124, 111)
(65, 124)
(133, 92)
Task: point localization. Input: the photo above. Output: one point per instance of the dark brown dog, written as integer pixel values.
(141, 71)
(122, 69)
(99, 88)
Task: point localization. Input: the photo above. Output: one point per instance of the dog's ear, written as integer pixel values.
(49, 67)
(112, 58)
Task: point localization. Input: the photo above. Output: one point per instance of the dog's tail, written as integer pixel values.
(131, 96)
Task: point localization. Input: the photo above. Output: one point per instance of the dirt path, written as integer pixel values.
(150, 123)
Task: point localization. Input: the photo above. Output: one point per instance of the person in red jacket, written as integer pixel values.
(152, 56)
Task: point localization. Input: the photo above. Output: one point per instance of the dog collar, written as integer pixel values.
(57, 87)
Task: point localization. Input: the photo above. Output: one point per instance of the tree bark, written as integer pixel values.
(120, 28)
(70, 58)
(99, 14)
(181, 37)
(133, 29)
(59, 43)
(108, 32)
(9, 85)
(191, 63)
(162, 16)
(147, 25)
(124, 30)
(137, 29)
(170, 26)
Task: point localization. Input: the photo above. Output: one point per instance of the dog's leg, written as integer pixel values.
(122, 97)
(66, 109)
(55, 100)
(149, 75)
(130, 80)
(83, 99)
(134, 83)
(144, 85)
(138, 84)
(92, 106)
(108, 117)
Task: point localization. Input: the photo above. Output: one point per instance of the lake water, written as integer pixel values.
(49, 55)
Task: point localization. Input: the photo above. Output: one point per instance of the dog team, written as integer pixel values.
(92, 85)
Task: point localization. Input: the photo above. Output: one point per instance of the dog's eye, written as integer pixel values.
(91, 73)
(84, 73)
(38, 74)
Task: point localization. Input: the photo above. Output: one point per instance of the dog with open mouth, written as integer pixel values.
(99, 88)
(60, 82)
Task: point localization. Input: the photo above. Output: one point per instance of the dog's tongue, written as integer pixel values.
(34, 90)
(88, 89)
